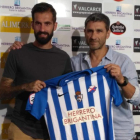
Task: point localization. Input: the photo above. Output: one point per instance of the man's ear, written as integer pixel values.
(32, 25)
(108, 34)
(85, 32)
(55, 26)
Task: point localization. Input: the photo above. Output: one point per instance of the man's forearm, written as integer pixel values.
(10, 92)
(128, 91)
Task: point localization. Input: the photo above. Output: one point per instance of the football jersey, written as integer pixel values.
(78, 105)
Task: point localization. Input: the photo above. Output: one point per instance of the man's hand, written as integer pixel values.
(7, 91)
(34, 86)
(16, 45)
(115, 71)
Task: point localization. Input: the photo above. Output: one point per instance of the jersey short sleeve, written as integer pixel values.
(37, 103)
(115, 93)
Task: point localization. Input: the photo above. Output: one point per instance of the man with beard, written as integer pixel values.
(120, 67)
(27, 68)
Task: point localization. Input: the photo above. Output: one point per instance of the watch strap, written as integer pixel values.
(124, 83)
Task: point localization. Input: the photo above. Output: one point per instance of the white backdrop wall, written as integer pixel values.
(15, 24)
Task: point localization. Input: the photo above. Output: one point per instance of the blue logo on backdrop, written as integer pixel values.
(118, 46)
(59, 45)
(118, 42)
(17, 3)
(18, 38)
(119, 9)
(54, 40)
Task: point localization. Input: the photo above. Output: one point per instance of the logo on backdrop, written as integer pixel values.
(118, 9)
(137, 136)
(62, 27)
(15, 7)
(84, 9)
(137, 30)
(3, 58)
(137, 12)
(117, 28)
(136, 110)
(138, 72)
(118, 46)
(17, 3)
(118, 42)
(118, 0)
(79, 44)
(15, 24)
(80, 29)
(118, 13)
(58, 45)
(136, 44)
(18, 38)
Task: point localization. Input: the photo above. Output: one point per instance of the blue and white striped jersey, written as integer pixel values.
(78, 105)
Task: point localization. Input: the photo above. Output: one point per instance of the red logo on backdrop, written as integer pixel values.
(118, 0)
(117, 28)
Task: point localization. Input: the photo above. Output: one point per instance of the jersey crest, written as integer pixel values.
(78, 96)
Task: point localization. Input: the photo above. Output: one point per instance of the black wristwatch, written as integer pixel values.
(124, 83)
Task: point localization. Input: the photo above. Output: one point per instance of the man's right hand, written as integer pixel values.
(34, 86)
(16, 45)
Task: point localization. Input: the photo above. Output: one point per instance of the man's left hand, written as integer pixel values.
(115, 71)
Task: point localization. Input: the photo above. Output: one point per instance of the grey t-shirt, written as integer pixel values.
(27, 65)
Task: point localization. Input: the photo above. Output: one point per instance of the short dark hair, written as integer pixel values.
(43, 7)
(98, 17)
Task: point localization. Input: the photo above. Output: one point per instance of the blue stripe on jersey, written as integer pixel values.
(69, 107)
(58, 113)
(50, 125)
(103, 104)
(80, 105)
(91, 103)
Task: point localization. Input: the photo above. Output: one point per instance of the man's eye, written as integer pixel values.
(89, 31)
(99, 31)
(47, 23)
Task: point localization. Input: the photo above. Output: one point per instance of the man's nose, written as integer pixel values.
(42, 28)
(93, 35)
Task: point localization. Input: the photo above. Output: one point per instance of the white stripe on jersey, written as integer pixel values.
(96, 98)
(64, 112)
(86, 105)
(74, 106)
(53, 115)
(107, 96)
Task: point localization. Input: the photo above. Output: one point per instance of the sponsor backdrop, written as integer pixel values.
(15, 25)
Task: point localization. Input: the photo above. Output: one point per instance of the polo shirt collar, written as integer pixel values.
(107, 56)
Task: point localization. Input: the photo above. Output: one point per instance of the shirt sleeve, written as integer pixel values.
(68, 67)
(129, 71)
(38, 105)
(10, 69)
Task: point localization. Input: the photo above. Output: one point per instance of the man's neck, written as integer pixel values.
(45, 46)
(97, 55)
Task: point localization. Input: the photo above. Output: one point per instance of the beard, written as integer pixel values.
(43, 40)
